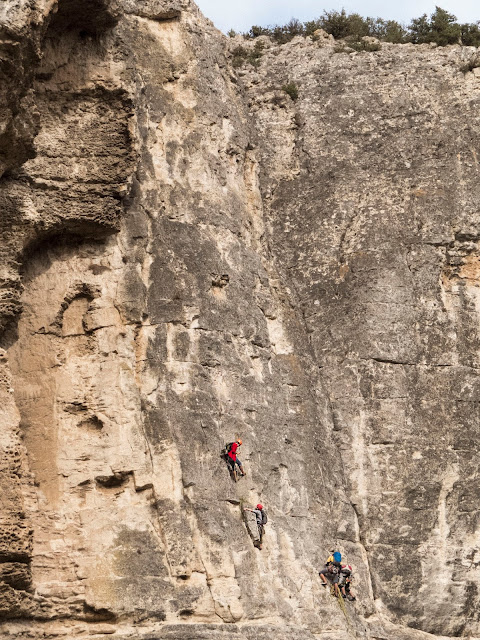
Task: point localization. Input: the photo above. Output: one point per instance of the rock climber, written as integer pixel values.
(331, 571)
(335, 559)
(261, 516)
(232, 459)
(345, 581)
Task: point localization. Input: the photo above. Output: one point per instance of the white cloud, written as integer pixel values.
(242, 15)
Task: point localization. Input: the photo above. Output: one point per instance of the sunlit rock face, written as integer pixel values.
(189, 256)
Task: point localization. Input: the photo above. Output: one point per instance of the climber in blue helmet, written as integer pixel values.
(331, 570)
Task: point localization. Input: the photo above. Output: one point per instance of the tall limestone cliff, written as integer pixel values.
(187, 256)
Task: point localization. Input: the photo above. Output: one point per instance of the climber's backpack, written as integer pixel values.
(226, 449)
(264, 517)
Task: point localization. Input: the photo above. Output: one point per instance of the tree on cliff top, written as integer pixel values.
(342, 25)
(441, 27)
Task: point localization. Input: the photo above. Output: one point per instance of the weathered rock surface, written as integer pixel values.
(371, 193)
(187, 255)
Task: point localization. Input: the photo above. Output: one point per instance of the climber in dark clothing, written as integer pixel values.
(232, 456)
(261, 516)
(331, 571)
(345, 581)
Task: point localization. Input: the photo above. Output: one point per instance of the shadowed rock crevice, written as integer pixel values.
(85, 17)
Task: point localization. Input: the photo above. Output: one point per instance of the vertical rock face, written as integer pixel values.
(155, 328)
(373, 213)
(187, 257)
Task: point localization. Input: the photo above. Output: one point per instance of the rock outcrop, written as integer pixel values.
(189, 255)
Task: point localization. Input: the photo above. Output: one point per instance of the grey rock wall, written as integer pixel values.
(189, 256)
(373, 216)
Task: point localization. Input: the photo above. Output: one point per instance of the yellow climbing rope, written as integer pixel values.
(341, 602)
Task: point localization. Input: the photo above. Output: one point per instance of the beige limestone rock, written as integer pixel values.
(322, 38)
(370, 40)
(187, 256)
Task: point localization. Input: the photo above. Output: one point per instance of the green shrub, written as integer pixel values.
(441, 27)
(256, 31)
(240, 55)
(362, 45)
(240, 51)
(445, 29)
(294, 28)
(254, 56)
(419, 30)
(291, 90)
(470, 34)
(280, 34)
(286, 33)
(388, 31)
(335, 23)
(311, 26)
(342, 25)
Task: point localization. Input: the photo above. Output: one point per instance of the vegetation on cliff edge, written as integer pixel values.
(441, 27)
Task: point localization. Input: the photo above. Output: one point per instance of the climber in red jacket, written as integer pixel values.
(232, 458)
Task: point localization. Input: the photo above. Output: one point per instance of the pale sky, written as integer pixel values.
(241, 15)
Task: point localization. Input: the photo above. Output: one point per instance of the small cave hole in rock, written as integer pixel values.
(76, 407)
(113, 481)
(93, 614)
(86, 17)
(91, 423)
